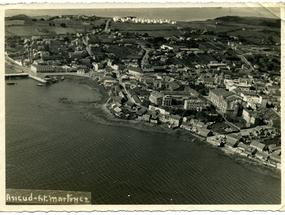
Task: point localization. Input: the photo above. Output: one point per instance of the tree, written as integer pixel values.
(145, 35)
(66, 39)
(271, 39)
(63, 25)
(203, 91)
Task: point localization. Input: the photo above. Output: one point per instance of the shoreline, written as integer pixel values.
(98, 112)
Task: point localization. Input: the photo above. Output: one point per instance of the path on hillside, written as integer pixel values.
(107, 25)
(145, 57)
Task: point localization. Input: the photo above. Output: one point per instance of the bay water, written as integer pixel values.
(51, 146)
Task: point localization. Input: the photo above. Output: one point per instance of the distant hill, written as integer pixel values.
(275, 23)
(18, 17)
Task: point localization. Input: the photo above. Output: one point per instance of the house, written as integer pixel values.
(251, 117)
(215, 65)
(199, 124)
(204, 132)
(117, 109)
(157, 109)
(155, 121)
(246, 148)
(134, 98)
(232, 139)
(156, 97)
(272, 148)
(175, 85)
(163, 117)
(130, 104)
(195, 104)
(275, 158)
(167, 100)
(145, 117)
(80, 72)
(108, 82)
(259, 146)
(217, 140)
(262, 155)
(117, 100)
(246, 132)
(186, 126)
(136, 71)
(175, 120)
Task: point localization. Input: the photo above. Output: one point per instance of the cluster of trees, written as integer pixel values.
(265, 63)
(236, 120)
(199, 88)
(206, 117)
(157, 41)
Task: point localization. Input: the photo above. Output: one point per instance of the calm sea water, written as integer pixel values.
(52, 146)
(179, 14)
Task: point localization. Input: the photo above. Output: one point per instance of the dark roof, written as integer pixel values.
(222, 92)
(136, 99)
(174, 85)
(141, 111)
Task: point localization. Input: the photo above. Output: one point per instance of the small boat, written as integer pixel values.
(11, 83)
(47, 78)
(54, 80)
(39, 84)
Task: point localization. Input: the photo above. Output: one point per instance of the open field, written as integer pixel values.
(15, 22)
(121, 51)
(141, 27)
(159, 33)
(34, 28)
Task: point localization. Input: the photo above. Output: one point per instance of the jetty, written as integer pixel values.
(21, 75)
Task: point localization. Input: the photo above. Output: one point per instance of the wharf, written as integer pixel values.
(22, 75)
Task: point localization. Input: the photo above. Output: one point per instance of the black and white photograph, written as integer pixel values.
(142, 105)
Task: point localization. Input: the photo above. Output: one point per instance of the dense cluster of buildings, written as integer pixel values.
(174, 85)
(143, 20)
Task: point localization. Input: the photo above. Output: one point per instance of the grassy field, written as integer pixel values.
(159, 33)
(15, 22)
(33, 28)
(121, 51)
(141, 27)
